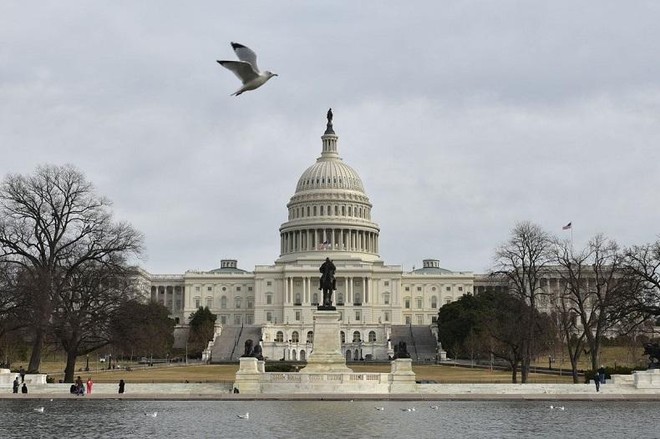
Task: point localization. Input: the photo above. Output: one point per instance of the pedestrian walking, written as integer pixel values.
(122, 385)
(22, 374)
(597, 381)
(90, 384)
(601, 374)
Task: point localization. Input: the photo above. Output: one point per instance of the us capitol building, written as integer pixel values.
(329, 215)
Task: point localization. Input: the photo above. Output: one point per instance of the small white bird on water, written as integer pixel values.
(246, 69)
(152, 415)
(245, 416)
(39, 409)
(380, 408)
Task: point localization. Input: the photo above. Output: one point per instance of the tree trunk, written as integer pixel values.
(70, 368)
(37, 345)
(514, 373)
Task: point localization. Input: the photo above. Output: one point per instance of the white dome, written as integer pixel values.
(329, 174)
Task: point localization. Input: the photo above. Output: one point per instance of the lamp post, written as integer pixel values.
(87, 364)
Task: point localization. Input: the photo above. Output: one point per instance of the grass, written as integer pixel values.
(179, 373)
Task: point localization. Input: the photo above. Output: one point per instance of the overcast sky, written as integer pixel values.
(461, 117)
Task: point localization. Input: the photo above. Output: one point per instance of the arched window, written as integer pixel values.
(315, 298)
(297, 299)
(356, 337)
(434, 302)
(295, 338)
(342, 336)
(223, 302)
(310, 337)
(372, 336)
(279, 337)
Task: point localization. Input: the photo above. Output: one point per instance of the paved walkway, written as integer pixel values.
(427, 392)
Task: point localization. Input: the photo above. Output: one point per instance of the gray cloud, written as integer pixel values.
(461, 117)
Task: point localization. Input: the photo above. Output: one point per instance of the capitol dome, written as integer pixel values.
(330, 210)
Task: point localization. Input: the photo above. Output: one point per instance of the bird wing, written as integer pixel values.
(246, 54)
(243, 70)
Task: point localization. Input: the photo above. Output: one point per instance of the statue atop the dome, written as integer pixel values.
(328, 284)
(330, 116)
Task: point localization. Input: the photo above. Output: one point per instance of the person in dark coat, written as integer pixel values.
(22, 374)
(24, 388)
(122, 384)
(16, 385)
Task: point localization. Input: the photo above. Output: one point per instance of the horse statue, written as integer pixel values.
(327, 283)
(653, 351)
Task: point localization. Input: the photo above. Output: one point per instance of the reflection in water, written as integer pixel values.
(81, 418)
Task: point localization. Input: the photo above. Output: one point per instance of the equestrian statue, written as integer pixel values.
(327, 284)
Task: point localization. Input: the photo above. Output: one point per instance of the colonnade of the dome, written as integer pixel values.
(335, 239)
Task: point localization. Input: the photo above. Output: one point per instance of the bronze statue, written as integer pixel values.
(328, 283)
(653, 351)
(330, 116)
(253, 350)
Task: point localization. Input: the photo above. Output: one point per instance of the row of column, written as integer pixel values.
(329, 239)
(311, 284)
(166, 296)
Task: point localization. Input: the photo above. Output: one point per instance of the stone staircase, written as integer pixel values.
(230, 344)
(420, 341)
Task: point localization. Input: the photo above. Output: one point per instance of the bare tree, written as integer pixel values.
(522, 260)
(643, 262)
(52, 224)
(593, 296)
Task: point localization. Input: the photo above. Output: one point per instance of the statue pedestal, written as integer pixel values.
(326, 352)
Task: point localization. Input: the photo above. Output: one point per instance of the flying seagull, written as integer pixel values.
(246, 69)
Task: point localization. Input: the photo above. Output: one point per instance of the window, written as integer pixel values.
(269, 316)
(356, 337)
(342, 335)
(297, 316)
(448, 288)
(197, 288)
(297, 299)
(419, 288)
(406, 303)
(315, 299)
(209, 302)
(340, 298)
(250, 303)
(248, 319)
(419, 303)
(269, 299)
(372, 336)
(408, 320)
(223, 302)
(237, 300)
(224, 288)
(310, 337)
(358, 299)
(249, 288)
(238, 288)
(197, 302)
(386, 316)
(279, 337)
(434, 302)
(295, 338)
(237, 319)
(407, 288)
(386, 298)
(358, 316)
(223, 319)
(460, 288)
(209, 288)
(386, 283)
(420, 319)
(269, 283)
